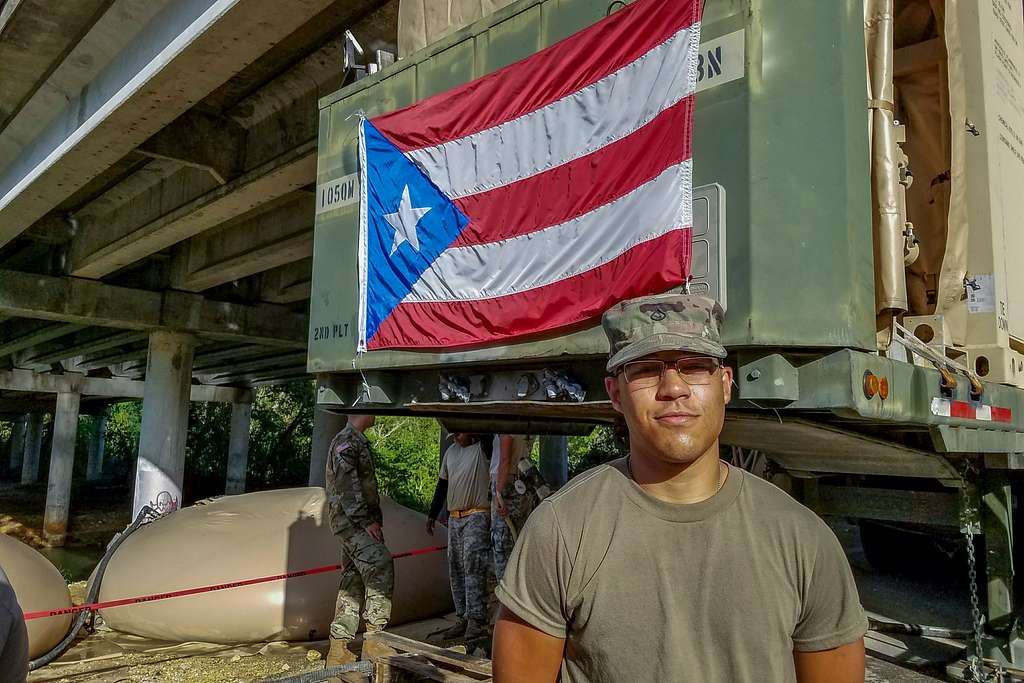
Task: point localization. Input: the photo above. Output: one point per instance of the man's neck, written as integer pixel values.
(679, 483)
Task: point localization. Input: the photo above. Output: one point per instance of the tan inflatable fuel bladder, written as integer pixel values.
(252, 535)
(39, 586)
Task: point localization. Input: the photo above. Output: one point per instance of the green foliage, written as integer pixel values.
(598, 447)
(407, 459)
(279, 443)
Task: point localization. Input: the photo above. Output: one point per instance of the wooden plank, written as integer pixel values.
(419, 665)
(476, 665)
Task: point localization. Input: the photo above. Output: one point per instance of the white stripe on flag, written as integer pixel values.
(524, 262)
(603, 112)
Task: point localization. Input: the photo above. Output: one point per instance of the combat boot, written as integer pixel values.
(475, 631)
(374, 648)
(340, 653)
(444, 636)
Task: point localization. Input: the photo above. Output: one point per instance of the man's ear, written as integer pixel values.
(611, 386)
(727, 383)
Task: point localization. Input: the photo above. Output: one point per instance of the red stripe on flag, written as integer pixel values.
(582, 185)
(1002, 414)
(540, 79)
(961, 409)
(653, 266)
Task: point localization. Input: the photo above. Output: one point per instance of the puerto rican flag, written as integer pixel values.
(533, 198)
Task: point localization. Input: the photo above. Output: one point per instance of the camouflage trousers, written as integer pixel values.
(469, 549)
(501, 538)
(367, 584)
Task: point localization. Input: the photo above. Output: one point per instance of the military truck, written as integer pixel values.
(859, 207)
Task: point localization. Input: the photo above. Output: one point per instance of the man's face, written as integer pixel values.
(464, 438)
(671, 420)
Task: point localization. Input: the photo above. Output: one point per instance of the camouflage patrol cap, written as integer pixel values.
(665, 322)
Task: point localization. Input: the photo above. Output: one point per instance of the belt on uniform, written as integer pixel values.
(459, 514)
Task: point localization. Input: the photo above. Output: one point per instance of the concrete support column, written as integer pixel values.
(18, 446)
(94, 469)
(161, 464)
(33, 444)
(325, 426)
(62, 461)
(554, 460)
(238, 447)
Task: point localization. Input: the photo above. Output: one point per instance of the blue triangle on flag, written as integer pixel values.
(409, 222)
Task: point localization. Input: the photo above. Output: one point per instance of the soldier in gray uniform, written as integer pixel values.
(368, 578)
(463, 486)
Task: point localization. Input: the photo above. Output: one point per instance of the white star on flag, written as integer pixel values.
(404, 221)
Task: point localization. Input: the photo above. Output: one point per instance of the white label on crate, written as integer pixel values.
(981, 294)
(721, 60)
(340, 192)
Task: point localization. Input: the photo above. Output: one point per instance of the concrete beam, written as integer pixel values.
(116, 387)
(33, 446)
(108, 359)
(161, 464)
(238, 447)
(87, 302)
(249, 245)
(101, 342)
(237, 366)
(288, 284)
(108, 246)
(38, 335)
(238, 352)
(182, 55)
(210, 143)
(35, 37)
(62, 462)
(259, 377)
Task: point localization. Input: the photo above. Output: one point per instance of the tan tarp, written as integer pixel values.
(252, 535)
(928, 99)
(39, 586)
(422, 22)
(954, 261)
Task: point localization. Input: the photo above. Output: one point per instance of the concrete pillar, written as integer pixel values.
(94, 469)
(62, 462)
(554, 459)
(33, 444)
(18, 446)
(325, 426)
(238, 447)
(161, 464)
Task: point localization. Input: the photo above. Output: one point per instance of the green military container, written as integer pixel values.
(803, 114)
(750, 150)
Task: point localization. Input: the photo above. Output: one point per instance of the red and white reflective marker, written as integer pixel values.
(944, 407)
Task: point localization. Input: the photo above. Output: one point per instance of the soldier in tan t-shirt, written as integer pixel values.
(669, 565)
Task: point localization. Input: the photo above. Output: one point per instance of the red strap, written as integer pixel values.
(207, 589)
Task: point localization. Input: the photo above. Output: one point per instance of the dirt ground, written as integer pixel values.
(109, 657)
(98, 512)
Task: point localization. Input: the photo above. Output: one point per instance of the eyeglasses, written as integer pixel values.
(694, 370)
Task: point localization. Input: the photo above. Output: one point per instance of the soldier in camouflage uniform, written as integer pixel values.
(368, 577)
(516, 489)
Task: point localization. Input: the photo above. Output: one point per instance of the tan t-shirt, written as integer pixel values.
(467, 475)
(644, 590)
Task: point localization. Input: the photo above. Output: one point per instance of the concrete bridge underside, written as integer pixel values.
(157, 175)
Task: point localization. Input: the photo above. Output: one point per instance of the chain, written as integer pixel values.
(970, 526)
